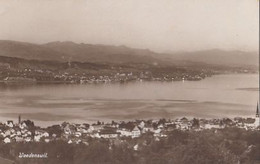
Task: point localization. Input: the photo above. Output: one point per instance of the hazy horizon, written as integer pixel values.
(141, 48)
(161, 26)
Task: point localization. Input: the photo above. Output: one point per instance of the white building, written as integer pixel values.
(37, 138)
(7, 140)
(109, 134)
(142, 124)
(19, 139)
(135, 132)
(9, 124)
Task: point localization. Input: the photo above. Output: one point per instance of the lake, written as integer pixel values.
(228, 95)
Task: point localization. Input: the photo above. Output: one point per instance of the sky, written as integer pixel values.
(159, 25)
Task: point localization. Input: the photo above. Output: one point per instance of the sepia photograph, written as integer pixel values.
(129, 82)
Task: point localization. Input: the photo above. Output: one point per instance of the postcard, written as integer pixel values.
(129, 82)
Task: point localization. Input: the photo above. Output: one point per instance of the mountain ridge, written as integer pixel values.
(70, 51)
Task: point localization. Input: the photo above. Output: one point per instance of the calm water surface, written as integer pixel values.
(217, 96)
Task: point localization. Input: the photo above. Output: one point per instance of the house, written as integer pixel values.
(29, 133)
(69, 129)
(225, 122)
(47, 140)
(170, 127)
(27, 139)
(78, 141)
(39, 132)
(70, 142)
(183, 124)
(97, 127)
(23, 131)
(184, 120)
(12, 130)
(37, 138)
(83, 128)
(109, 134)
(86, 143)
(9, 123)
(136, 132)
(157, 132)
(18, 139)
(130, 131)
(18, 132)
(7, 132)
(210, 126)
(136, 147)
(7, 140)
(142, 124)
(12, 135)
(90, 129)
(157, 139)
(114, 124)
(124, 132)
(27, 124)
(148, 128)
(45, 134)
(22, 125)
(2, 134)
(78, 134)
(95, 135)
(160, 126)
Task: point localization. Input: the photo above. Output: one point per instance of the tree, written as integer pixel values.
(195, 123)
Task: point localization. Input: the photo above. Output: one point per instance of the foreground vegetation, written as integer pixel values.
(223, 146)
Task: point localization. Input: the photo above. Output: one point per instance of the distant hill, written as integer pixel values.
(28, 51)
(102, 53)
(70, 51)
(218, 57)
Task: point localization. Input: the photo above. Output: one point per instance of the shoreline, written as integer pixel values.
(113, 82)
(109, 121)
(45, 124)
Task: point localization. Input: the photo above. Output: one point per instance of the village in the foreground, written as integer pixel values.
(26, 131)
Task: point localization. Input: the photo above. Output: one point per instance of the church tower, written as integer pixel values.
(19, 119)
(257, 119)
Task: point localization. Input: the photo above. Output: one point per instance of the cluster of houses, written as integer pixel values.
(126, 77)
(15, 132)
(117, 75)
(25, 131)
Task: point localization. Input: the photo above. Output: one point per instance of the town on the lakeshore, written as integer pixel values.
(26, 131)
(28, 75)
(76, 73)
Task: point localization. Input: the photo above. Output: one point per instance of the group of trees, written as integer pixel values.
(223, 146)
